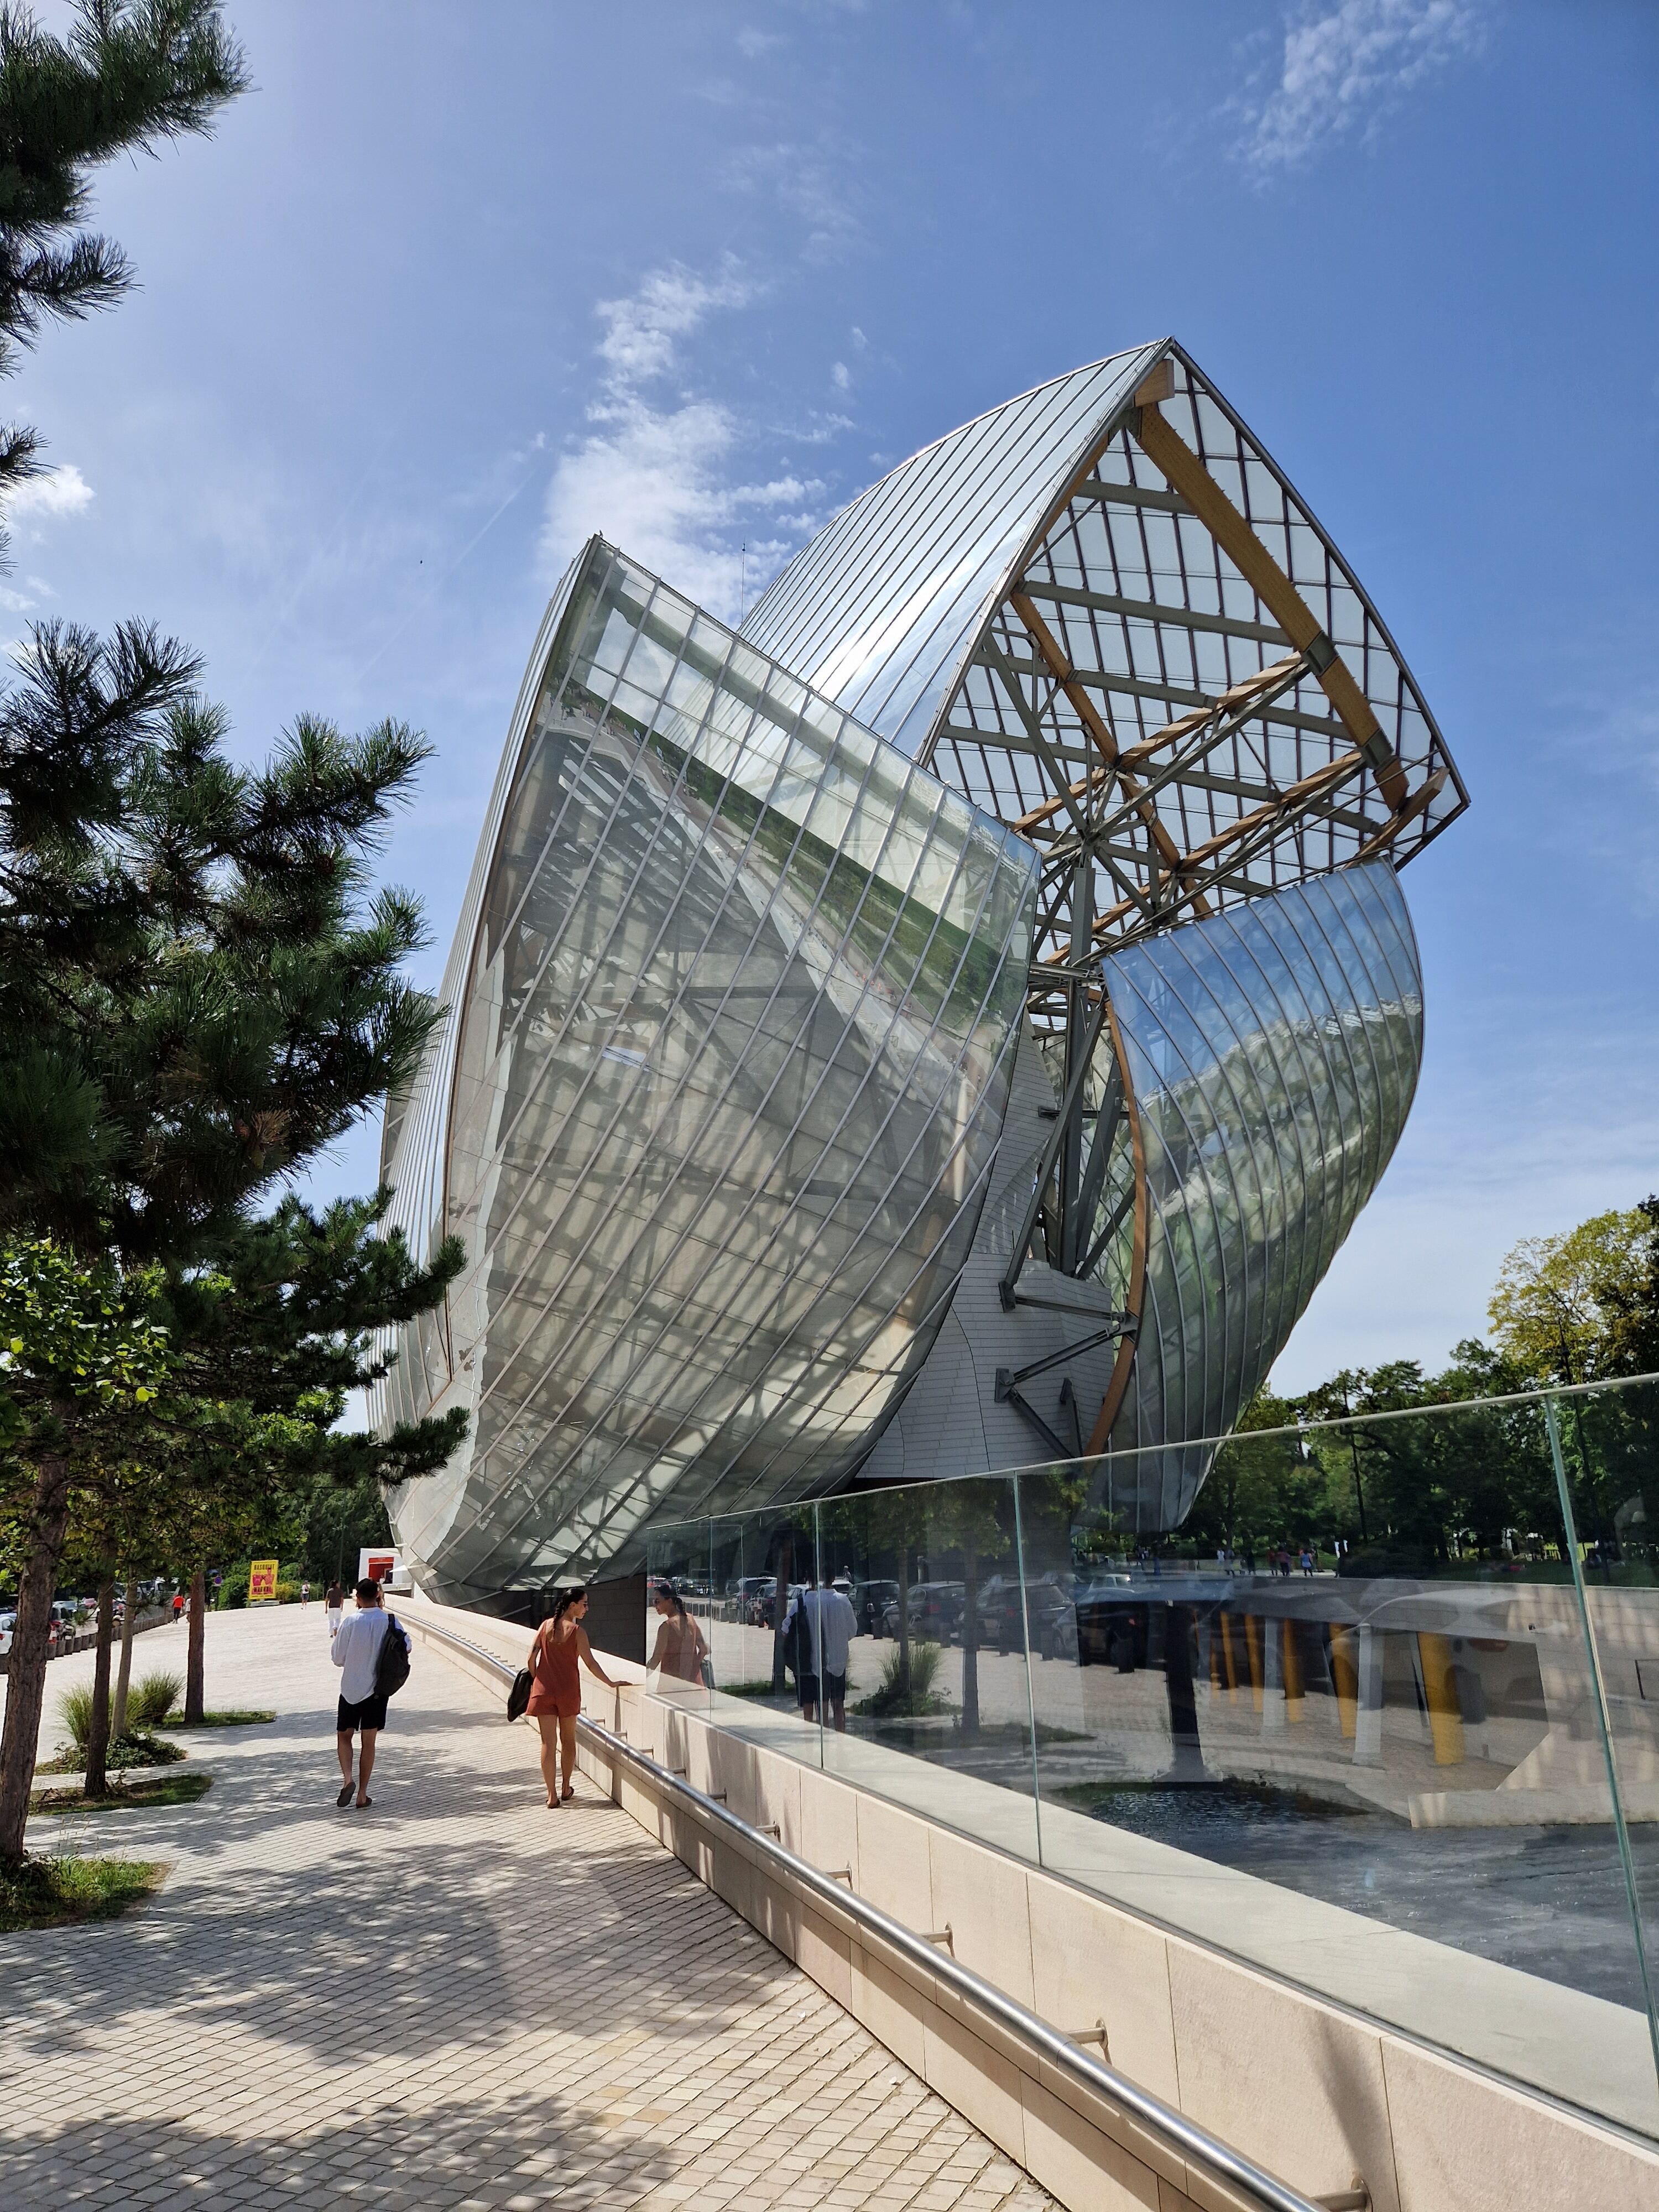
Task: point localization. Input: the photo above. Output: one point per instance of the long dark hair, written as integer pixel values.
(562, 1601)
(667, 1590)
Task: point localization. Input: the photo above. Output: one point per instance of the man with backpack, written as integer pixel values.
(372, 1651)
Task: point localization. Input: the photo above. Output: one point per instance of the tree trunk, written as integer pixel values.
(129, 1628)
(194, 1695)
(97, 1782)
(1186, 1762)
(780, 1608)
(970, 1642)
(904, 1620)
(26, 1678)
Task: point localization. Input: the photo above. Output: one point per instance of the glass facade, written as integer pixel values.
(982, 981)
(1272, 1052)
(729, 1074)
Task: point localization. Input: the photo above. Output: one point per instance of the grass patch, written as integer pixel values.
(148, 1790)
(234, 1717)
(753, 1689)
(137, 1748)
(52, 1893)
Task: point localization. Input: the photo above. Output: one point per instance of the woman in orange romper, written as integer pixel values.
(556, 1689)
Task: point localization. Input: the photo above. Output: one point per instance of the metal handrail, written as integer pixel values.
(1180, 2134)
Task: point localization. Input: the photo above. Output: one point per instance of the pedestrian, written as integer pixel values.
(177, 1606)
(827, 1626)
(305, 1592)
(356, 1651)
(334, 1605)
(561, 1649)
(681, 1650)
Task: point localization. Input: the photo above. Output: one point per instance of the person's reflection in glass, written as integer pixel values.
(681, 1650)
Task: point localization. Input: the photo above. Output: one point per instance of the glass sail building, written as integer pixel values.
(952, 1020)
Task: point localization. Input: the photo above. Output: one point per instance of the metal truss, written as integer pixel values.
(1182, 698)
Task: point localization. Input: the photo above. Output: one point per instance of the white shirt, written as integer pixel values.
(831, 1624)
(357, 1649)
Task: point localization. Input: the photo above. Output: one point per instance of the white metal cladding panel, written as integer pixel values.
(880, 609)
(731, 1066)
(1275, 1050)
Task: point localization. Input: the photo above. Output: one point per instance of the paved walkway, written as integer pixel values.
(456, 2000)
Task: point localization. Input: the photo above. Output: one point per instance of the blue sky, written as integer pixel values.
(454, 287)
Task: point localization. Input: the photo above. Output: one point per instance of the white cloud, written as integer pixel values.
(815, 184)
(53, 493)
(841, 377)
(655, 479)
(752, 43)
(1343, 68)
(640, 331)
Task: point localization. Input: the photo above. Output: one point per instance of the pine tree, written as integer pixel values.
(198, 991)
(123, 77)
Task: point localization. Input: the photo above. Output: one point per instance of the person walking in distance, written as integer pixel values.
(355, 1651)
(334, 1606)
(561, 1649)
(680, 1651)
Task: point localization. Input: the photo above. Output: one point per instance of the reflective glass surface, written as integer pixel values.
(1413, 1770)
(1272, 1053)
(730, 1068)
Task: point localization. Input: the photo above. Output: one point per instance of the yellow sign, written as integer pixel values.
(262, 1583)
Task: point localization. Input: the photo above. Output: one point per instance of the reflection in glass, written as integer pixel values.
(729, 1072)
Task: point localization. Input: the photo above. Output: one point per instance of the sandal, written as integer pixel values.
(344, 1797)
(363, 1804)
(567, 1792)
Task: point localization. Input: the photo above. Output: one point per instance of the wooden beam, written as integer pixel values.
(1060, 669)
(1187, 475)
(1334, 772)
(1418, 803)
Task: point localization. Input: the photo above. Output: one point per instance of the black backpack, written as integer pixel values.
(391, 1667)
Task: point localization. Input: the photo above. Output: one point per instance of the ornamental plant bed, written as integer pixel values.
(149, 1789)
(235, 1718)
(52, 1893)
(137, 1748)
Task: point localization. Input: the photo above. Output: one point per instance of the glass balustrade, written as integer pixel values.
(1417, 1774)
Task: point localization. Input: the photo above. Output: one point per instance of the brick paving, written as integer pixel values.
(455, 2000)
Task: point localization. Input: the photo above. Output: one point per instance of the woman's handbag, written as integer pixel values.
(519, 1696)
(706, 1670)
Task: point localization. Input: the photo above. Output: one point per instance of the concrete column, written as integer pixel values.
(1368, 1721)
(1273, 1709)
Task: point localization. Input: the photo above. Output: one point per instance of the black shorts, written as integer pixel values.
(368, 1714)
(835, 1689)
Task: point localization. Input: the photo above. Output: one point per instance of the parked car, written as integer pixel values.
(1048, 1606)
(747, 1590)
(1112, 1625)
(935, 1611)
(7, 1624)
(870, 1602)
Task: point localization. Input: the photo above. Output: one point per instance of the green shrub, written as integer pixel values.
(287, 1593)
(891, 1699)
(152, 1698)
(75, 1711)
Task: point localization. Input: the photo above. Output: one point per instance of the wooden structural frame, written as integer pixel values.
(1181, 695)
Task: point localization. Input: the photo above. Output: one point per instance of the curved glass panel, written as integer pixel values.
(731, 1063)
(881, 609)
(1273, 1051)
